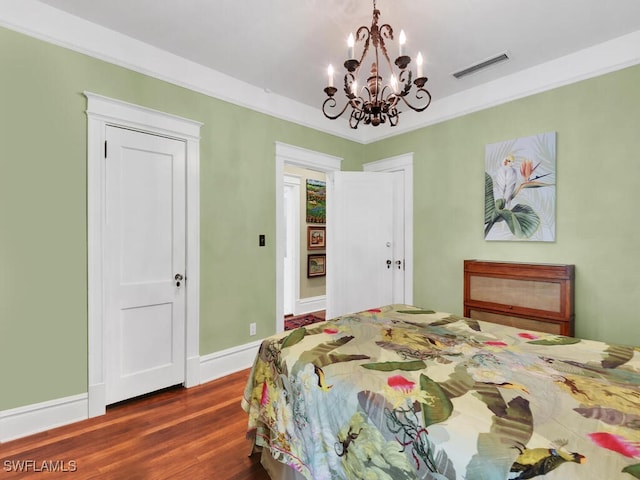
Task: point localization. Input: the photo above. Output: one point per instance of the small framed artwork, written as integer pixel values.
(316, 265)
(316, 201)
(316, 238)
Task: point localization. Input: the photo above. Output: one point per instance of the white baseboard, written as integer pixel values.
(310, 304)
(225, 362)
(22, 421)
(30, 419)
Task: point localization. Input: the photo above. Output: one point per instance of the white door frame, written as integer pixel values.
(300, 157)
(292, 240)
(102, 111)
(402, 163)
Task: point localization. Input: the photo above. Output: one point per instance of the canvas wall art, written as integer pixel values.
(316, 201)
(520, 189)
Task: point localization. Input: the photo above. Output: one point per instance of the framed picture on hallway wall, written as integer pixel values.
(316, 238)
(316, 265)
(316, 201)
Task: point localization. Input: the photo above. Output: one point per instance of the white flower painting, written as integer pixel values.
(520, 189)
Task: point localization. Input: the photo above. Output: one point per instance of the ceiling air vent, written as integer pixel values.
(479, 66)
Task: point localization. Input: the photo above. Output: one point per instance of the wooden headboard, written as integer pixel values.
(532, 296)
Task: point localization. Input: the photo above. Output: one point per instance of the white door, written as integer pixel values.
(144, 262)
(365, 250)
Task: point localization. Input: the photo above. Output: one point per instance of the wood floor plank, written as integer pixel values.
(196, 433)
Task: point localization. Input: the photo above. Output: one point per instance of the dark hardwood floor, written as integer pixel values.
(192, 434)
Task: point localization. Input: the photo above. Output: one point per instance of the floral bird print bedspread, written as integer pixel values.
(404, 393)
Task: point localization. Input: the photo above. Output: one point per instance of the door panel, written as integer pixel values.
(362, 243)
(154, 323)
(146, 186)
(145, 248)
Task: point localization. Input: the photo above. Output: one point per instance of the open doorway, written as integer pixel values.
(305, 245)
(319, 163)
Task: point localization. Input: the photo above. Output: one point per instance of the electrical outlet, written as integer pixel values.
(252, 329)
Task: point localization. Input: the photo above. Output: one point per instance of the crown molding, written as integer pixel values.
(54, 26)
(590, 62)
(46, 23)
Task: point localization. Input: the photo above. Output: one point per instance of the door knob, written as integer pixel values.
(178, 278)
(388, 263)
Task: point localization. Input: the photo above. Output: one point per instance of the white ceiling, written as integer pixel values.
(284, 46)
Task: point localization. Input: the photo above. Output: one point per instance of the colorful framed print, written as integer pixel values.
(316, 265)
(316, 238)
(316, 201)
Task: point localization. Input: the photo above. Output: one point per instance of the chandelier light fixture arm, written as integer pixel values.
(331, 103)
(422, 95)
(374, 102)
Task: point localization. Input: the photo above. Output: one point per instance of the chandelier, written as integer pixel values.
(373, 102)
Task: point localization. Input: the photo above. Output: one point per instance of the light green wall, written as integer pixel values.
(43, 266)
(598, 197)
(43, 239)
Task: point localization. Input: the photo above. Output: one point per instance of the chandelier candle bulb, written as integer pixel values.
(394, 84)
(350, 43)
(419, 61)
(401, 42)
(330, 74)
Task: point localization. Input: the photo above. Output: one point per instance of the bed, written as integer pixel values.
(402, 392)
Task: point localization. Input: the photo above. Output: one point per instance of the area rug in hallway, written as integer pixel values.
(292, 323)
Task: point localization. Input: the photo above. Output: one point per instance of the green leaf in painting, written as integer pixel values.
(633, 470)
(489, 204)
(522, 220)
(294, 337)
(391, 366)
(440, 407)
